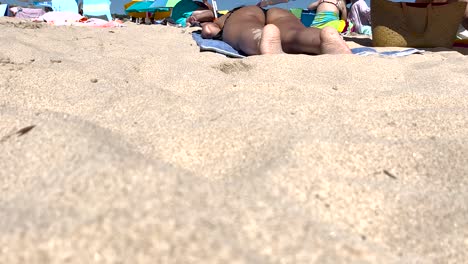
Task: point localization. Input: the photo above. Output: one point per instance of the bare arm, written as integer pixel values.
(202, 15)
(211, 29)
(208, 5)
(344, 11)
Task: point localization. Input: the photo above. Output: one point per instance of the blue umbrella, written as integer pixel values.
(140, 7)
(165, 3)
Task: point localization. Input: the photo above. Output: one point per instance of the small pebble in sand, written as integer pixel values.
(94, 80)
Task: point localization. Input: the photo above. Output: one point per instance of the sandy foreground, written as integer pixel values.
(128, 145)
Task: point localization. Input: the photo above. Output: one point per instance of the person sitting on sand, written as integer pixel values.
(254, 31)
(359, 15)
(330, 13)
(188, 12)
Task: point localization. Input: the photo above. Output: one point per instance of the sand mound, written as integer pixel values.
(129, 145)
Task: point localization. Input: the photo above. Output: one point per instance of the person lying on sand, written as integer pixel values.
(359, 15)
(254, 31)
(188, 12)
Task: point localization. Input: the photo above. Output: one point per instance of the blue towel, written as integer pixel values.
(365, 51)
(226, 49)
(216, 46)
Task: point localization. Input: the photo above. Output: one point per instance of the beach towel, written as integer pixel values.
(366, 51)
(217, 46)
(60, 18)
(27, 13)
(72, 19)
(222, 47)
(98, 23)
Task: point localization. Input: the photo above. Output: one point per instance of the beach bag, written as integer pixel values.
(415, 25)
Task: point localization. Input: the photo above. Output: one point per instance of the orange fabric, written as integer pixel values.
(162, 15)
(157, 15)
(134, 14)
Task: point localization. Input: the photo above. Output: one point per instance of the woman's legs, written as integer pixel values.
(243, 29)
(248, 30)
(296, 38)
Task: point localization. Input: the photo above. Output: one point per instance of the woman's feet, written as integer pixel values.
(332, 43)
(270, 42)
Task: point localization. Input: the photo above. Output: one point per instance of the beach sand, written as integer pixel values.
(128, 145)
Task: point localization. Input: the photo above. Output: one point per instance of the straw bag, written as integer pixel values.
(415, 25)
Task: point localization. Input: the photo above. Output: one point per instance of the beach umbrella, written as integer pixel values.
(165, 3)
(61, 17)
(141, 7)
(215, 8)
(127, 5)
(134, 14)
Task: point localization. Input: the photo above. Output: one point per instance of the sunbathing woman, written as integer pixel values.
(330, 13)
(253, 31)
(188, 12)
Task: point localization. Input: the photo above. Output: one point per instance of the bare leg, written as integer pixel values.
(243, 29)
(332, 43)
(296, 38)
